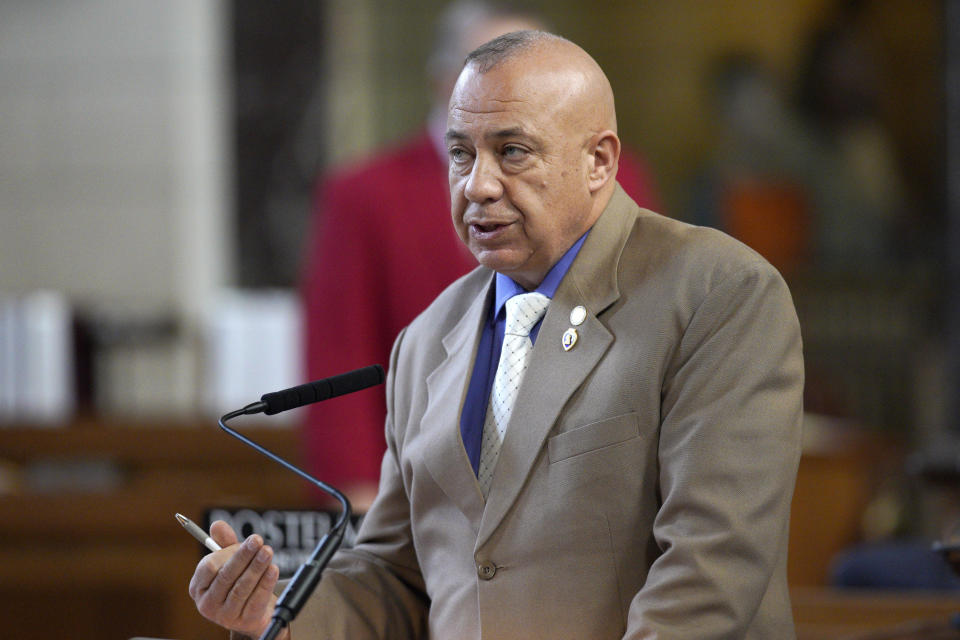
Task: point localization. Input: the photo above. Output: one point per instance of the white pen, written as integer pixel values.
(198, 533)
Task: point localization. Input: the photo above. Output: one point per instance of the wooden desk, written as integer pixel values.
(839, 473)
(828, 614)
(114, 563)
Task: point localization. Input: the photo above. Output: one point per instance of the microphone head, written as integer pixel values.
(325, 389)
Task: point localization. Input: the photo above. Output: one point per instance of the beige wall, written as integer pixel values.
(113, 158)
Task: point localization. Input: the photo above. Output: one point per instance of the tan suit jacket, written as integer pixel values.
(643, 489)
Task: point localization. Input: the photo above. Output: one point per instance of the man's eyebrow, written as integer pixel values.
(453, 135)
(512, 132)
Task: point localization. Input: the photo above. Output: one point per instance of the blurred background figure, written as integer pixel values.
(384, 223)
(753, 186)
(859, 193)
(808, 178)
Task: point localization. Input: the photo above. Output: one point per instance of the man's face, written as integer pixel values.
(518, 169)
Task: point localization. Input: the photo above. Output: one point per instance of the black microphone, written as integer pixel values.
(307, 577)
(304, 394)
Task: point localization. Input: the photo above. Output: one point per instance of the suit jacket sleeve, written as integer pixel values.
(729, 447)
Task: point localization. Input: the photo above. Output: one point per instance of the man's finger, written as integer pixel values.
(223, 533)
(232, 569)
(246, 584)
(259, 607)
(207, 570)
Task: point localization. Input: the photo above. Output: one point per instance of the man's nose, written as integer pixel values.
(483, 184)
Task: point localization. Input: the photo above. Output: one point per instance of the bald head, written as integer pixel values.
(575, 73)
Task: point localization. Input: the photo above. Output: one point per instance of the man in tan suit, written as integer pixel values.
(643, 485)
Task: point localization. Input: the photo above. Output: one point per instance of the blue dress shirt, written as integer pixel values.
(491, 342)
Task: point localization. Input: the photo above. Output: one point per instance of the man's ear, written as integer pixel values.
(606, 153)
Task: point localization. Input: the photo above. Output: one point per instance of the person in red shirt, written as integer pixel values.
(367, 275)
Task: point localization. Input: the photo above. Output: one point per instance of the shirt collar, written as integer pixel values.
(505, 287)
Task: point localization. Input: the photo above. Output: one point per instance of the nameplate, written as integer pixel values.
(293, 533)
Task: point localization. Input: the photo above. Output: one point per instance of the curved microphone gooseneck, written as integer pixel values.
(307, 577)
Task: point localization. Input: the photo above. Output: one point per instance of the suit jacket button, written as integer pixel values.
(486, 570)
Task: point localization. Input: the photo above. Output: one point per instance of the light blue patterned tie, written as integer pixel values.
(523, 312)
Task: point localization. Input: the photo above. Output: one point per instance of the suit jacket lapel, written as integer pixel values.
(443, 454)
(554, 374)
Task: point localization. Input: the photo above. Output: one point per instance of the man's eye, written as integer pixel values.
(513, 152)
(458, 155)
